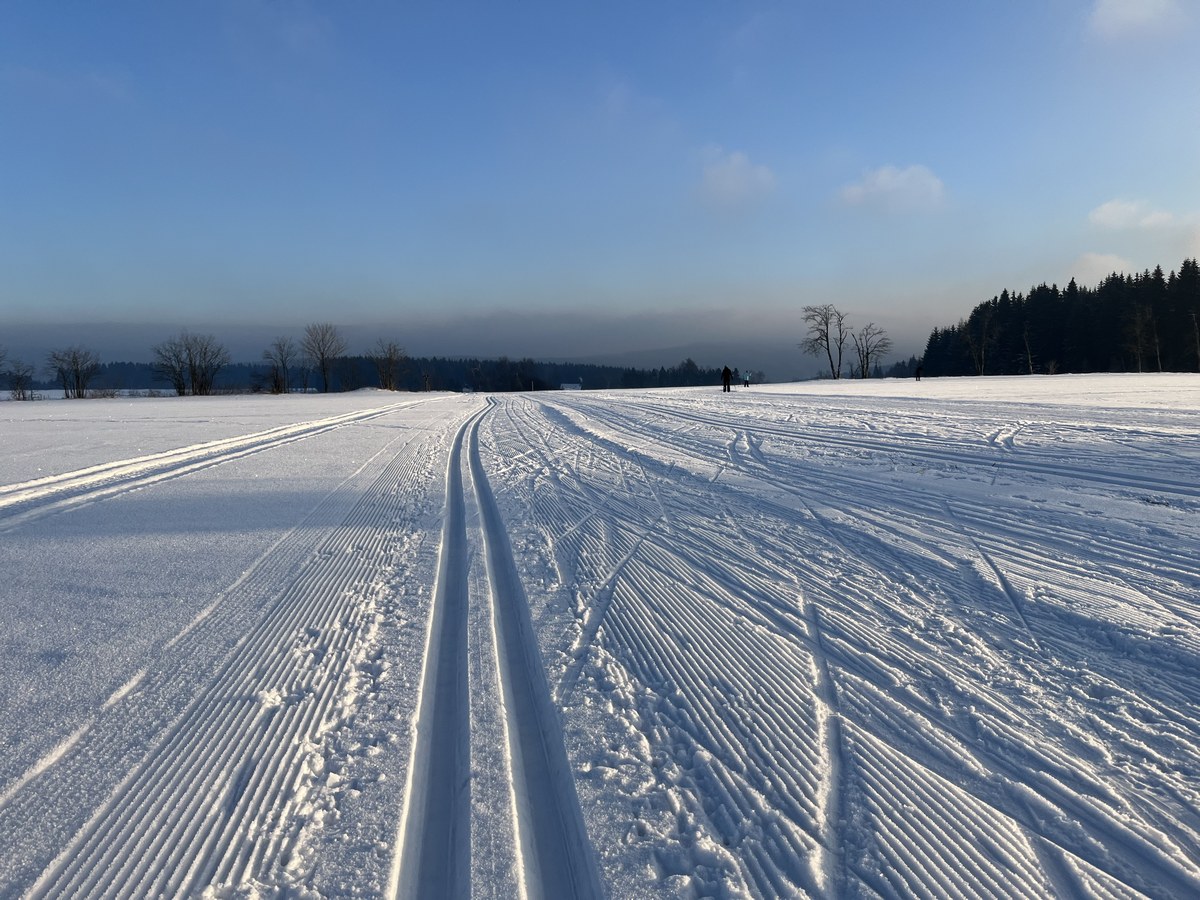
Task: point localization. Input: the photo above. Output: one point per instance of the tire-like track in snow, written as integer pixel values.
(433, 856)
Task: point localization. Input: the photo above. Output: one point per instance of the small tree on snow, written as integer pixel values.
(170, 363)
(388, 358)
(190, 362)
(870, 343)
(20, 380)
(205, 358)
(280, 356)
(74, 368)
(827, 334)
(323, 343)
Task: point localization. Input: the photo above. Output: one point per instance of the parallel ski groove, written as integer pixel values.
(208, 805)
(433, 855)
(802, 647)
(879, 582)
(28, 500)
(931, 449)
(556, 854)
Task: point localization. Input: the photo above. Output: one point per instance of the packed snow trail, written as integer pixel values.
(216, 799)
(434, 850)
(433, 858)
(555, 851)
(212, 764)
(25, 501)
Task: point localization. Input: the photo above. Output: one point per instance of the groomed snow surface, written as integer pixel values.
(839, 639)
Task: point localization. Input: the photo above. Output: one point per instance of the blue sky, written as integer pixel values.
(601, 176)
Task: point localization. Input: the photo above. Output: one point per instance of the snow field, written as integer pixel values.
(934, 731)
(235, 724)
(830, 640)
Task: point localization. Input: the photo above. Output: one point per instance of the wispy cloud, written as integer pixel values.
(730, 180)
(621, 102)
(911, 189)
(621, 109)
(1092, 268)
(1158, 235)
(617, 99)
(1131, 214)
(1114, 19)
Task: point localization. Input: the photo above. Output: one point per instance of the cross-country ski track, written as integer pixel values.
(553, 853)
(888, 639)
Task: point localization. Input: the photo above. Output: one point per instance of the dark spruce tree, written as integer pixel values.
(1148, 322)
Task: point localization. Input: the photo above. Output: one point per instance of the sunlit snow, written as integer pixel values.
(833, 639)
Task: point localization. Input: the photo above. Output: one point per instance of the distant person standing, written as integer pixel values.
(918, 373)
(726, 378)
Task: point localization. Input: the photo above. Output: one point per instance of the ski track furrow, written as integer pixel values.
(22, 502)
(738, 744)
(1002, 581)
(826, 436)
(923, 835)
(95, 474)
(763, 670)
(433, 853)
(734, 742)
(830, 729)
(209, 800)
(739, 800)
(556, 855)
(95, 857)
(829, 436)
(1134, 851)
(629, 642)
(257, 587)
(569, 532)
(1012, 595)
(593, 618)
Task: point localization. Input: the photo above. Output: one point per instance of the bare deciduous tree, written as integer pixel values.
(74, 368)
(870, 343)
(170, 363)
(280, 356)
(190, 362)
(20, 380)
(389, 358)
(206, 357)
(323, 343)
(827, 334)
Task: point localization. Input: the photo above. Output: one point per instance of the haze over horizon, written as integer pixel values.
(588, 183)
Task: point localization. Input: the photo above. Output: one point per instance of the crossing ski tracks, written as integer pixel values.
(553, 857)
(813, 642)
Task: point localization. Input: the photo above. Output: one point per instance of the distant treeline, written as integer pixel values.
(1128, 323)
(421, 374)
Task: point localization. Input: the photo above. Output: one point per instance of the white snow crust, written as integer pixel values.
(831, 639)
